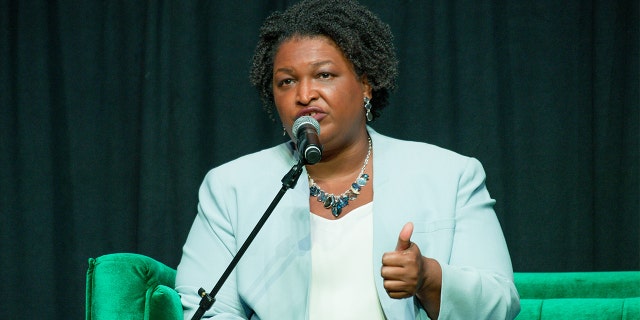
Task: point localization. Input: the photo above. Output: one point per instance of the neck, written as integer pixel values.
(346, 163)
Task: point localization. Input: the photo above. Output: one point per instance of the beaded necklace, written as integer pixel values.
(337, 202)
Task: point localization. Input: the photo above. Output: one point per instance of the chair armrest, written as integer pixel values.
(131, 286)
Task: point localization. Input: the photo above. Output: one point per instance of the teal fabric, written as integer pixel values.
(164, 304)
(579, 295)
(133, 286)
(618, 284)
(580, 308)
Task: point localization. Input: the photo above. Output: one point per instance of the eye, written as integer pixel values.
(285, 82)
(325, 75)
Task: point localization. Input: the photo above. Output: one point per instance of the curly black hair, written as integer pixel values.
(365, 40)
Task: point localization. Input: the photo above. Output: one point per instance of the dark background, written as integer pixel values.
(113, 111)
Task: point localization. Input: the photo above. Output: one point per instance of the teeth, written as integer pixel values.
(311, 114)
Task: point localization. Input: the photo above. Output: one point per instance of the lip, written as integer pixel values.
(317, 113)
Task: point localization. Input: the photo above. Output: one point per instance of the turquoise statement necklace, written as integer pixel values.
(337, 202)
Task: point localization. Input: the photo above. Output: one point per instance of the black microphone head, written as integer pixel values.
(306, 131)
(305, 120)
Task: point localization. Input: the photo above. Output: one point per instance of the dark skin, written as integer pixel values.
(313, 77)
(408, 273)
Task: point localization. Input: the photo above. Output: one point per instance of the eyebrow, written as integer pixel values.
(316, 64)
(321, 63)
(284, 69)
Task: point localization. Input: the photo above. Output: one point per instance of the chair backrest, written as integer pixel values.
(579, 295)
(554, 285)
(131, 286)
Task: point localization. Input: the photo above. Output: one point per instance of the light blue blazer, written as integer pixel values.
(441, 192)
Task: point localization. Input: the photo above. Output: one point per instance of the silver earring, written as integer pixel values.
(284, 131)
(367, 106)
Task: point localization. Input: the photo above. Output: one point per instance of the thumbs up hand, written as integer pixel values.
(407, 273)
(403, 269)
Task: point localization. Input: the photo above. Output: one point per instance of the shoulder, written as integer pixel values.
(414, 153)
(255, 167)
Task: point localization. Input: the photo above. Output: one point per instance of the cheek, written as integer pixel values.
(282, 97)
(282, 113)
(350, 99)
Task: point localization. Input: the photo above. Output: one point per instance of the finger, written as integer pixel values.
(404, 240)
(396, 289)
(392, 272)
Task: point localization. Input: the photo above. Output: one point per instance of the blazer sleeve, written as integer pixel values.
(477, 282)
(209, 248)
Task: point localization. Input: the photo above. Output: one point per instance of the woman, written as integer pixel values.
(415, 235)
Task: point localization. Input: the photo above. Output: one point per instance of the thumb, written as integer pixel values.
(404, 240)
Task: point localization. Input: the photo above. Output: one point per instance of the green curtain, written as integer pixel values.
(111, 112)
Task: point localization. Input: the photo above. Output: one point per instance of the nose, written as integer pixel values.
(306, 92)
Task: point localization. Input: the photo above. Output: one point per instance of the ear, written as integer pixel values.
(366, 87)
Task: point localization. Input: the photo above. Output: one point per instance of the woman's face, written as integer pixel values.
(311, 76)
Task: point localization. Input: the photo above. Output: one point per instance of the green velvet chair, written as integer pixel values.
(132, 286)
(579, 295)
(127, 286)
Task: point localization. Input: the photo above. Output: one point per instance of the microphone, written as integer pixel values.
(306, 130)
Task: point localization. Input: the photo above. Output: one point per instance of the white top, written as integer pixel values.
(342, 277)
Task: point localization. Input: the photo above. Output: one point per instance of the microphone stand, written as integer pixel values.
(288, 182)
